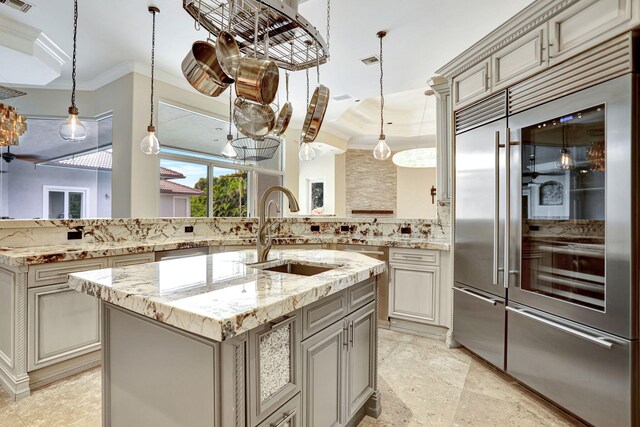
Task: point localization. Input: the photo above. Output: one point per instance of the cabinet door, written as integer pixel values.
(362, 357)
(521, 59)
(274, 368)
(586, 24)
(63, 324)
(289, 415)
(323, 366)
(135, 259)
(414, 293)
(471, 85)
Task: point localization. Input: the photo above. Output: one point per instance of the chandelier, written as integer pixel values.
(12, 125)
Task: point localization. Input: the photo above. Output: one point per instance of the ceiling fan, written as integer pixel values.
(10, 157)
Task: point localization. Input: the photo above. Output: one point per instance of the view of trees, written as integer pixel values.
(229, 196)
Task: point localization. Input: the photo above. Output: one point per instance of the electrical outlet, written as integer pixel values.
(188, 229)
(74, 235)
(344, 228)
(315, 228)
(405, 230)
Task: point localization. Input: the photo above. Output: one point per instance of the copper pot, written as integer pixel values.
(315, 114)
(201, 69)
(257, 80)
(284, 117)
(253, 120)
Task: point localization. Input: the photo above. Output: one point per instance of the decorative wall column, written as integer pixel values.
(445, 187)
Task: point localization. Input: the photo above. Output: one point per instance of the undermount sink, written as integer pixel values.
(291, 267)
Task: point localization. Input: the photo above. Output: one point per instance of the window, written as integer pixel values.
(184, 189)
(64, 202)
(229, 193)
(316, 197)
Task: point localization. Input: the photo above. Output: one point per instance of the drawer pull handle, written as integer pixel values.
(63, 287)
(286, 419)
(351, 334)
(596, 340)
(275, 325)
(345, 337)
(480, 297)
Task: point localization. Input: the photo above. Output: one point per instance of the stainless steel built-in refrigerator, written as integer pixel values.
(549, 195)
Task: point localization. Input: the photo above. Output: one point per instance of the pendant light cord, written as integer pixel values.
(153, 64)
(75, 46)
(230, 110)
(381, 90)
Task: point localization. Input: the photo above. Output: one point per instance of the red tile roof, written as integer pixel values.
(170, 174)
(170, 187)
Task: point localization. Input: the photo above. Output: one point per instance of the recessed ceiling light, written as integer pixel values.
(370, 60)
(218, 129)
(416, 158)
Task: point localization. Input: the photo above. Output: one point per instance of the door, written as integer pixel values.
(414, 293)
(362, 357)
(478, 224)
(572, 217)
(64, 202)
(63, 324)
(323, 366)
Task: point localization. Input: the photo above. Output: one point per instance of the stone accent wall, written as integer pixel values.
(371, 183)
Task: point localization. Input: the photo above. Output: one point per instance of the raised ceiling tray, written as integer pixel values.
(287, 30)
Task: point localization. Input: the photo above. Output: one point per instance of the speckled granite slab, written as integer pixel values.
(220, 296)
(57, 253)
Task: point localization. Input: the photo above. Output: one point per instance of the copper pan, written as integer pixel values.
(257, 80)
(315, 113)
(202, 70)
(284, 117)
(228, 53)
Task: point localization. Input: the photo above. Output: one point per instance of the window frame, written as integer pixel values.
(46, 189)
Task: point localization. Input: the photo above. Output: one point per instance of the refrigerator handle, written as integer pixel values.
(496, 210)
(507, 208)
(596, 340)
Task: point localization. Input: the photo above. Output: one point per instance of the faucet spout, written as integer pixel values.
(264, 243)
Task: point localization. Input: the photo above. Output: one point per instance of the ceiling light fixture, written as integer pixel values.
(150, 144)
(416, 158)
(565, 161)
(228, 151)
(382, 150)
(72, 129)
(12, 125)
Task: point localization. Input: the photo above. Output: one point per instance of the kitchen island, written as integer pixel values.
(217, 340)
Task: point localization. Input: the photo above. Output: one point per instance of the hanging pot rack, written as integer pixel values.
(286, 30)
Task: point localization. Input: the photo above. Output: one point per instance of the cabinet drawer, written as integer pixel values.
(49, 274)
(62, 324)
(274, 368)
(416, 256)
(361, 294)
(586, 24)
(125, 260)
(521, 59)
(319, 315)
(471, 85)
(288, 415)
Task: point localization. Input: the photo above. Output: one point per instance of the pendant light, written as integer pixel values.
(150, 144)
(382, 150)
(72, 129)
(228, 151)
(565, 161)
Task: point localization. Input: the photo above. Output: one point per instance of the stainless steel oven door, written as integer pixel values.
(572, 187)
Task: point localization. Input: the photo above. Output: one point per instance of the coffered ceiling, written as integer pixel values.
(114, 38)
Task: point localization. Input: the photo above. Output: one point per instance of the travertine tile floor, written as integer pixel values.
(422, 384)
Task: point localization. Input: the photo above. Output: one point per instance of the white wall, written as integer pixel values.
(322, 168)
(414, 192)
(4, 193)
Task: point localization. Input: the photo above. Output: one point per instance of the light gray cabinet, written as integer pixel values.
(414, 292)
(289, 415)
(339, 369)
(362, 358)
(323, 364)
(62, 324)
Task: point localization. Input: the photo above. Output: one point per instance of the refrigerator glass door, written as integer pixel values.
(570, 210)
(479, 225)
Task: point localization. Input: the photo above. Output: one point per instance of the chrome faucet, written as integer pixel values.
(266, 223)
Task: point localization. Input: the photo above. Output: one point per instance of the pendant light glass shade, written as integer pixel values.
(150, 144)
(72, 129)
(228, 151)
(382, 150)
(306, 153)
(565, 162)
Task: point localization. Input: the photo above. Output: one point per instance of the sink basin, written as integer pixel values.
(291, 267)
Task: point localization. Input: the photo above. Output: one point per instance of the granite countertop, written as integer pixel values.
(219, 296)
(17, 257)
